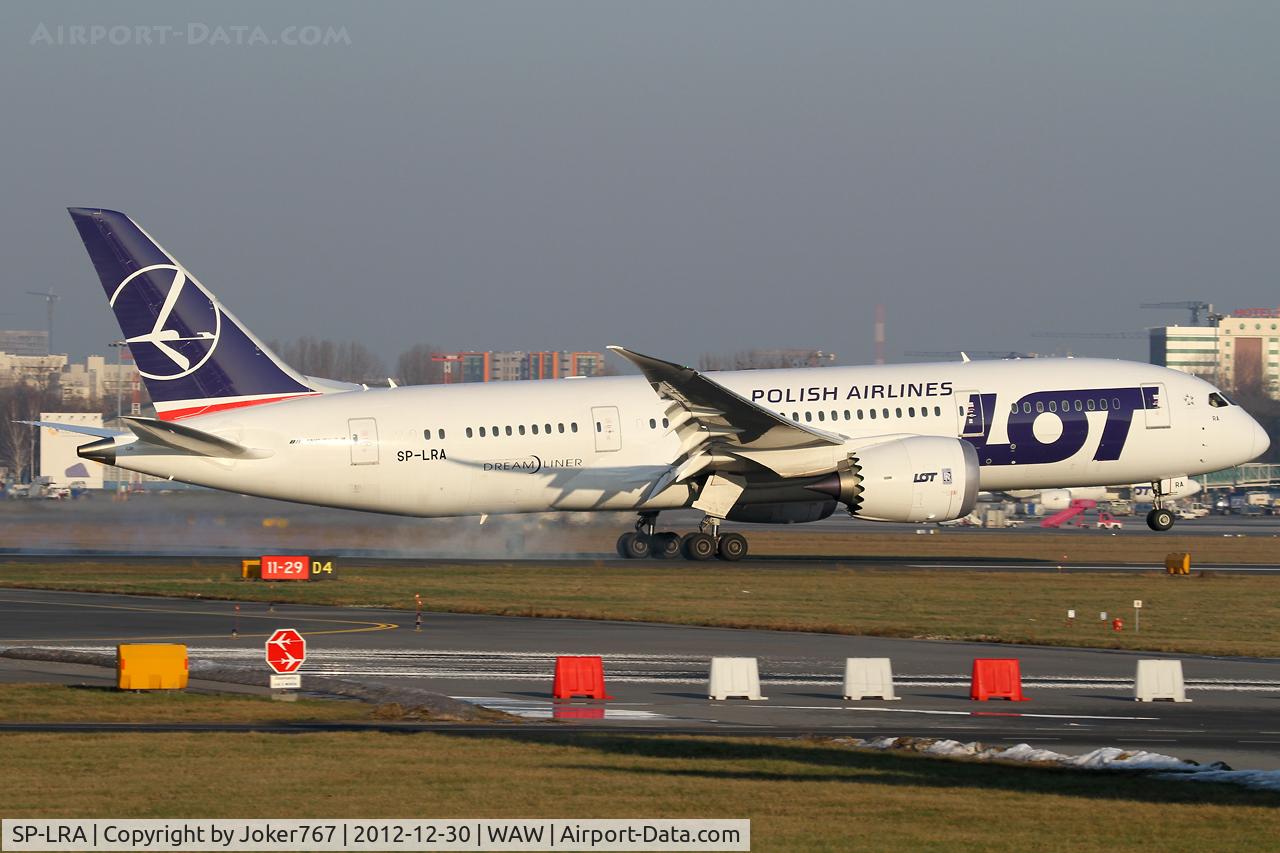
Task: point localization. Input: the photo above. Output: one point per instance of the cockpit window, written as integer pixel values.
(1218, 401)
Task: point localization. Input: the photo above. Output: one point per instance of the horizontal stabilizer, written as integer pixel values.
(97, 432)
(176, 436)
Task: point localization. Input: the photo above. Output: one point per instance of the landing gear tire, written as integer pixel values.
(633, 546)
(698, 546)
(1160, 519)
(733, 547)
(665, 546)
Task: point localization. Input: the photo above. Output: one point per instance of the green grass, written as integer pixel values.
(799, 795)
(1224, 614)
(58, 703)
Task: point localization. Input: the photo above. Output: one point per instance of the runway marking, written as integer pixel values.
(999, 714)
(367, 626)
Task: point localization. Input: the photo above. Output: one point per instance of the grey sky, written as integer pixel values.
(676, 177)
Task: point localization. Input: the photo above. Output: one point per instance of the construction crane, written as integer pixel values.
(50, 298)
(1194, 306)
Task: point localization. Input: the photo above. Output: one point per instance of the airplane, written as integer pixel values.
(1173, 488)
(904, 443)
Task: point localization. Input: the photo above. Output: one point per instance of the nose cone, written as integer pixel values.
(1261, 441)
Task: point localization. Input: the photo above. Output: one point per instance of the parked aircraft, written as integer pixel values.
(1173, 488)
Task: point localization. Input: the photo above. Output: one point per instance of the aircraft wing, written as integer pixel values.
(720, 427)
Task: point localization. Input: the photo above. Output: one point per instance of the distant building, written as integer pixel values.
(24, 342)
(1239, 352)
(765, 359)
(30, 369)
(510, 366)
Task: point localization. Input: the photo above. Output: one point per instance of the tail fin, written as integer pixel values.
(194, 356)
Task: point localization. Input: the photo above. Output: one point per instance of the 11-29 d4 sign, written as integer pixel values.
(300, 567)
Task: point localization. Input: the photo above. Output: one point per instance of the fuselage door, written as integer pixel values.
(364, 441)
(973, 420)
(1155, 405)
(608, 428)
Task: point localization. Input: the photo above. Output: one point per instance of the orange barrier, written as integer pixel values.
(996, 678)
(579, 677)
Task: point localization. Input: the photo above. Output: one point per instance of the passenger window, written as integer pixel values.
(835, 416)
(859, 414)
(574, 426)
(665, 423)
(440, 433)
(560, 427)
(426, 434)
(897, 412)
(1079, 407)
(653, 423)
(822, 416)
(599, 427)
(508, 430)
(848, 415)
(873, 414)
(1013, 410)
(795, 416)
(535, 429)
(482, 432)
(520, 429)
(1103, 404)
(547, 428)
(1039, 407)
(937, 411)
(1115, 402)
(808, 416)
(911, 411)
(468, 432)
(884, 412)
(1053, 406)
(1026, 408)
(1089, 404)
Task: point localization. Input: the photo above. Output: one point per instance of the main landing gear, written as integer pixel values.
(706, 543)
(1160, 518)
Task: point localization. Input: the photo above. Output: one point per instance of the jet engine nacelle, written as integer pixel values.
(1055, 499)
(918, 478)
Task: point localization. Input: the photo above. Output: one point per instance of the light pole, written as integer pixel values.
(119, 348)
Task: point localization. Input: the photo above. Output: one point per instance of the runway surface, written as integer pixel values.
(1080, 699)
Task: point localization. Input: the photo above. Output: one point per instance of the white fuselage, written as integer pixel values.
(600, 444)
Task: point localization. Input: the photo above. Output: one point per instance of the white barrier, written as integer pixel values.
(734, 677)
(1159, 679)
(868, 678)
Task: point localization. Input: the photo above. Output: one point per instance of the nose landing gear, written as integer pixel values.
(706, 543)
(1160, 518)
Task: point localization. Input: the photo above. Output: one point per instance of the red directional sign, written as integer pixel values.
(286, 650)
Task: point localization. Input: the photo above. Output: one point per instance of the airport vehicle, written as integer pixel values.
(1107, 521)
(907, 443)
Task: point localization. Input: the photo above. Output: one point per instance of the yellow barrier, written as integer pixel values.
(249, 568)
(151, 666)
(1178, 564)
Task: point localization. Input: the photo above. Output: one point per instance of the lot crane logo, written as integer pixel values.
(171, 329)
(286, 651)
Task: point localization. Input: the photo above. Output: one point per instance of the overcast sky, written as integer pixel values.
(676, 177)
